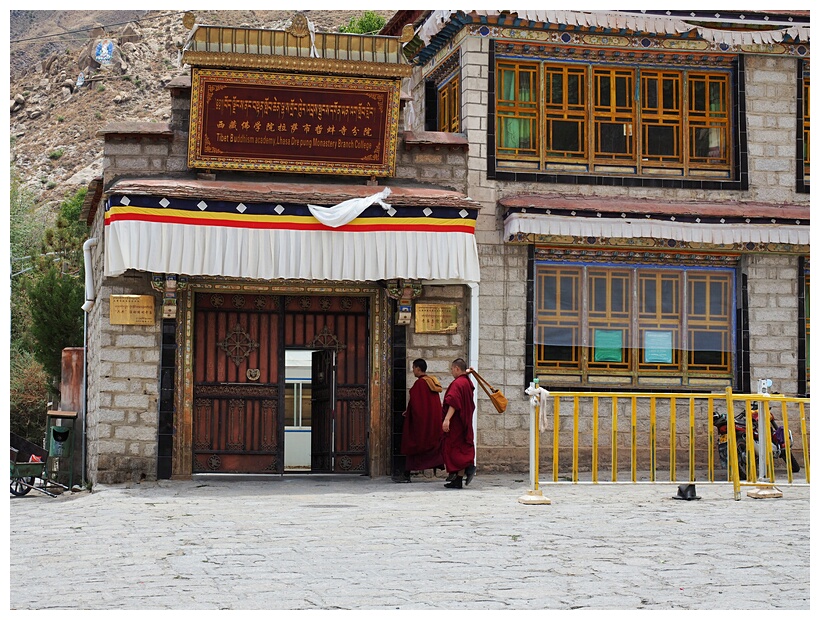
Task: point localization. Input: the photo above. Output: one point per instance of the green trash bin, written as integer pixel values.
(60, 443)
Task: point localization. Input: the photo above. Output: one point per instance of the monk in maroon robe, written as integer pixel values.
(421, 433)
(459, 443)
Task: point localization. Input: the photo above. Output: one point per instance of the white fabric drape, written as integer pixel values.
(347, 211)
(289, 254)
(725, 234)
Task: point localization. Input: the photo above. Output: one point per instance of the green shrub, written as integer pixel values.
(28, 396)
(369, 23)
(56, 154)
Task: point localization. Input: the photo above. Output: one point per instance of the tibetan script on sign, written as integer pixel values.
(132, 309)
(436, 318)
(244, 120)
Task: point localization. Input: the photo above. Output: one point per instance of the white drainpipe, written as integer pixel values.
(90, 297)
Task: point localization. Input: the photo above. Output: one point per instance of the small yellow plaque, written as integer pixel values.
(436, 318)
(132, 309)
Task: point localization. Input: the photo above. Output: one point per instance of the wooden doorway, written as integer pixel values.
(239, 381)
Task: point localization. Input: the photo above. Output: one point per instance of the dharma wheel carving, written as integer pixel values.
(238, 344)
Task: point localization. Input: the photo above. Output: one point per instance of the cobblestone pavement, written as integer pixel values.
(322, 542)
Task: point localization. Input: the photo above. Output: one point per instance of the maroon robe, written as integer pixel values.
(421, 433)
(459, 444)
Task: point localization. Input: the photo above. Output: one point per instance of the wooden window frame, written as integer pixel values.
(507, 109)
(687, 118)
(708, 119)
(449, 106)
(563, 111)
(662, 116)
(613, 113)
(564, 314)
(679, 324)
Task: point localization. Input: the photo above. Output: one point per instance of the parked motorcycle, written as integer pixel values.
(778, 439)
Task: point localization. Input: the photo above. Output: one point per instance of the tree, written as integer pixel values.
(56, 292)
(57, 317)
(26, 228)
(62, 244)
(369, 23)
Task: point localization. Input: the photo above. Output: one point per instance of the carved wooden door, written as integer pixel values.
(237, 425)
(338, 324)
(322, 405)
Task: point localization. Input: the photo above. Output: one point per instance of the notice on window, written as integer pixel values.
(609, 345)
(132, 309)
(657, 347)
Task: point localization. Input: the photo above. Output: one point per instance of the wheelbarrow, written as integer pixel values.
(29, 462)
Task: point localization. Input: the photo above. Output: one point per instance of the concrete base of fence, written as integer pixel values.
(533, 498)
(765, 493)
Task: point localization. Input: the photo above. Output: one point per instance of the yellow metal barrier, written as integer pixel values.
(649, 414)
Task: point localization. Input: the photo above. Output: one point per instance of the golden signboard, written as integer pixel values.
(248, 120)
(132, 309)
(436, 318)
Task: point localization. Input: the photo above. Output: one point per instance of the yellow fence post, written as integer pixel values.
(732, 447)
(575, 439)
(673, 431)
(594, 439)
(804, 439)
(652, 447)
(787, 441)
(751, 464)
(691, 439)
(556, 420)
(614, 439)
(766, 439)
(634, 439)
(710, 455)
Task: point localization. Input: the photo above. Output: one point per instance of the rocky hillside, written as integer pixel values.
(54, 122)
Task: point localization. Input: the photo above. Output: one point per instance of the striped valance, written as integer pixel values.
(267, 240)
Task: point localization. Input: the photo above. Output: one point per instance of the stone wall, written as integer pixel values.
(439, 350)
(123, 360)
(771, 115)
(441, 165)
(125, 421)
(130, 152)
(772, 285)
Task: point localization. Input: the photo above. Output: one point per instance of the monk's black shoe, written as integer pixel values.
(451, 477)
(470, 471)
(455, 484)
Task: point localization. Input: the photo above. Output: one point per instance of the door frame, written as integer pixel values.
(380, 354)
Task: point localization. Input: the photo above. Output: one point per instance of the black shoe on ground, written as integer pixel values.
(451, 477)
(403, 478)
(455, 484)
(470, 471)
